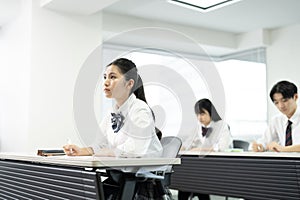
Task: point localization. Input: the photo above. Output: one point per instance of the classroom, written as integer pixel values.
(54, 54)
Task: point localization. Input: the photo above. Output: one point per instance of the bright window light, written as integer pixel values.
(203, 5)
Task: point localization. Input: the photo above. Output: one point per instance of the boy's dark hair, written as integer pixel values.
(286, 88)
(205, 104)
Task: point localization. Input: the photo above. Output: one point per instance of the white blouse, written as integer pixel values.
(136, 138)
(218, 137)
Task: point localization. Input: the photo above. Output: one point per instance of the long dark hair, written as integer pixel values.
(205, 104)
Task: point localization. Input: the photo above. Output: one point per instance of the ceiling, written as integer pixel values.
(244, 16)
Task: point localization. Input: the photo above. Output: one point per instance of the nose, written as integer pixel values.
(280, 105)
(106, 82)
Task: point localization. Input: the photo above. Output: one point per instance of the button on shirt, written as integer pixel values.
(277, 127)
(136, 138)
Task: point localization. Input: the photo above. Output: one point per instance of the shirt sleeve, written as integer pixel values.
(270, 135)
(101, 138)
(225, 141)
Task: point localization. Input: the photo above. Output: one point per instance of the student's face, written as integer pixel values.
(115, 86)
(284, 105)
(204, 118)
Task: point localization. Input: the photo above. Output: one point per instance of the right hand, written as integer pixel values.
(257, 147)
(72, 150)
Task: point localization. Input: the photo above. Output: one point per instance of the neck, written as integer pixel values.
(121, 101)
(292, 113)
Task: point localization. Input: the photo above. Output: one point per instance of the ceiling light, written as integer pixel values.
(203, 5)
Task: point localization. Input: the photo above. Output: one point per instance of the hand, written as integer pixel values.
(274, 146)
(257, 147)
(72, 150)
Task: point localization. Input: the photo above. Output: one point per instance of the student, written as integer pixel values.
(213, 135)
(213, 132)
(128, 131)
(282, 132)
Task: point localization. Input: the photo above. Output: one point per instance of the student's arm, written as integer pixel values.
(274, 146)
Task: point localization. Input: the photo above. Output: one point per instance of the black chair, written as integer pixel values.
(241, 144)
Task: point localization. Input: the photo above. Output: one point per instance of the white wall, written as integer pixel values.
(42, 52)
(60, 45)
(15, 79)
(283, 60)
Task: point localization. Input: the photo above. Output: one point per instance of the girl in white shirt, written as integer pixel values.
(129, 131)
(213, 133)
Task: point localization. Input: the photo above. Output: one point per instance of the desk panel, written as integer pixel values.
(22, 180)
(248, 177)
(65, 177)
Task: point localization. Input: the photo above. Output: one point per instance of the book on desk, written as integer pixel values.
(50, 152)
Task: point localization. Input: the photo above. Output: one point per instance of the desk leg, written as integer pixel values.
(128, 188)
(100, 190)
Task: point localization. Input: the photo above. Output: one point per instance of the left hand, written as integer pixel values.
(274, 146)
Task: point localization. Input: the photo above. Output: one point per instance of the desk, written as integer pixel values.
(61, 177)
(248, 175)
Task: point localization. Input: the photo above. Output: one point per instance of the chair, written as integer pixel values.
(161, 176)
(171, 146)
(241, 144)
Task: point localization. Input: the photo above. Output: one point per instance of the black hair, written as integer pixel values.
(129, 70)
(286, 88)
(205, 104)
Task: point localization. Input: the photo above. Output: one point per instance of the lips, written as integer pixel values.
(106, 90)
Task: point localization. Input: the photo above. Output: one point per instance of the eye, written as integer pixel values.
(113, 77)
(104, 76)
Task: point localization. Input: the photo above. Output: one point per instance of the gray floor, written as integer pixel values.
(212, 197)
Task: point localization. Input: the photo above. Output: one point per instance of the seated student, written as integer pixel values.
(128, 131)
(213, 135)
(282, 132)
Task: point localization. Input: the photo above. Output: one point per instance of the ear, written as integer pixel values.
(296, 97)
(130, 84)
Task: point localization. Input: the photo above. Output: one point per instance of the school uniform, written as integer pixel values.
(218, 137)
(130, 132)
(277, 129)
(136, 136)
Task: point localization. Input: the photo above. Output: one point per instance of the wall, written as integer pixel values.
(42, 52)
(15, 79)
(283, 59)
(60, 45)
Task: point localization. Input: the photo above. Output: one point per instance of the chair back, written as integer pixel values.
(171, 146)
(241, 144)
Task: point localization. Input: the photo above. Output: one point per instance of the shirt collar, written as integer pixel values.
(295, 118)
(124, 107)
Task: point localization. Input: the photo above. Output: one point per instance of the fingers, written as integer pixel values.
(257, 147)
(70, 150)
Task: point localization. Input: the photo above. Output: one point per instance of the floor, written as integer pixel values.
(212, 197)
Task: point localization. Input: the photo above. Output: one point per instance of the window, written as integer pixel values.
(173, 84)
